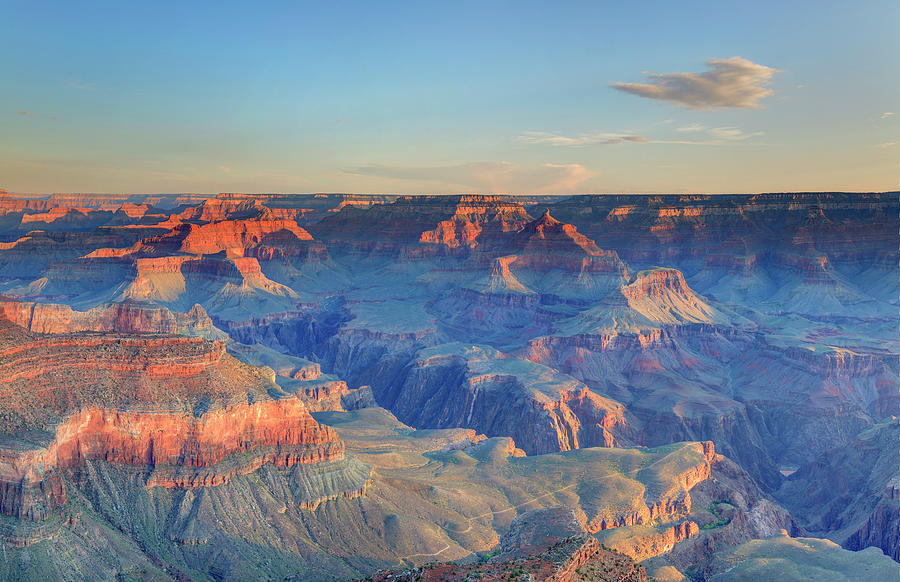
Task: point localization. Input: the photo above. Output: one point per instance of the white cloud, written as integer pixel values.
(732, 82)
(598, 138)
(888, 144)
(731, 133)
(490, 176)
(705, 136)
(887, 114)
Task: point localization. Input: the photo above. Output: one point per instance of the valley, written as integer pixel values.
(339, 387)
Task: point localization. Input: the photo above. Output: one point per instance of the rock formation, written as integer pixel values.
(852, 493)
(191, 386)
(180, 409)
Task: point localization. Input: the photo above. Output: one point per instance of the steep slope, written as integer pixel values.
(764, 405)
(480, 388)
(653, 299)
(227, 288)
(26, 256)
(544, 273)
(181, 409)
(765, 324)
(648, 494)
(229, 235)
(553, 257)
(123, 317)
(574, 559)
(423, 226)
(852, 494)
(800, 560)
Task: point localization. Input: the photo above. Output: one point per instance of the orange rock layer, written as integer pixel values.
(230, 234)
(44, 378)
(125, 317)
(670, 504)
(178, 450)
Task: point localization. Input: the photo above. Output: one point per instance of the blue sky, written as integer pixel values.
(452, 97)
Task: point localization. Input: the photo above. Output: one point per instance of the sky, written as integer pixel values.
(426, 97)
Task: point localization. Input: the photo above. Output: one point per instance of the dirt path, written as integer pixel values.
(492, 513)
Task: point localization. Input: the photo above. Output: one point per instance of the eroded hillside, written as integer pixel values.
(327, 386)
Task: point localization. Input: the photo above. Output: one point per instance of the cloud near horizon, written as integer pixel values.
(731, 82)
(543, 137)
(27, 113)
(490, 176)
(713, 136)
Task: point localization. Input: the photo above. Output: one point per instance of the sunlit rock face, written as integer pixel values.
(126, 317)
(322, 386)
(479, 388)
(423, 226)
(179, 409)
(174, 450)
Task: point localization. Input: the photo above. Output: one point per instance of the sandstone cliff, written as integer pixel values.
(124, 317)
(180, 409)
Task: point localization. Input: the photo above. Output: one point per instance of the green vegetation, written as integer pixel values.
(716, 509)
(488, 555)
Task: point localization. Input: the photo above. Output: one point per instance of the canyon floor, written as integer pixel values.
(343, 387)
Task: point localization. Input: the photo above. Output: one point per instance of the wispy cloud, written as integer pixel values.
(731, 133)
(27, 113)
(225, 169)
(887, 114)
(598, 138)
(490, 176)
(706, 136)
(731, 82)
(887, 144)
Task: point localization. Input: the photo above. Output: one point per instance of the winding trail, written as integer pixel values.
(491, 513)
(447, 547)
(511, 507)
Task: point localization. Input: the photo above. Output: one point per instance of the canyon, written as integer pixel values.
(329, 386)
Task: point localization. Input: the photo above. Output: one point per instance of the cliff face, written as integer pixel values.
(765, 324)
(655, 229)
(548, 236)
(226, 235)
(28, 255)
(223, 207)
(881, 529)
(479, 388)
(180, 409)
(125, 317)
(9, 204)
(852, 490)
(729, 386)
(64, 372)
(447, 224)
(175, 450)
